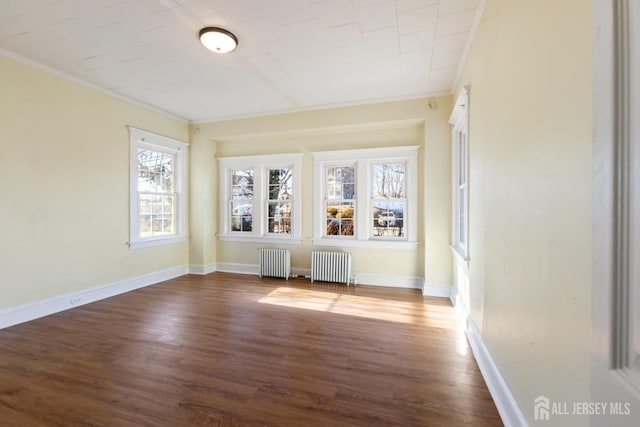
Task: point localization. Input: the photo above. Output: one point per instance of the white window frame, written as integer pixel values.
(460, 174)
(364, 159)
(139, 138)
(260, 165)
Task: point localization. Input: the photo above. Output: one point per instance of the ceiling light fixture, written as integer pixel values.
(218, 40)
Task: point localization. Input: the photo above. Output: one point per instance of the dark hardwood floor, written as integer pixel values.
(235, 350)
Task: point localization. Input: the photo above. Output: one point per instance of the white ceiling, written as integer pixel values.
(292, 54)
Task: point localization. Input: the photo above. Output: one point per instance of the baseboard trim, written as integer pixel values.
(388, 280)
(233, 267)
(506, 404)
(30, 311)
(462, 313)
(437, 290)
(202, 269)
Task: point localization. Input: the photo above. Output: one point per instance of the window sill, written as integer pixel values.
(459, 253)
(156, 241)
(260, 239)
(368, 244)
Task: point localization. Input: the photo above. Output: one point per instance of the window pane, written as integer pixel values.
(340, 219)
(144, 206)
(462, 214)
(388, 180)
(388, 218)
(463, 158)
(388, 200)
(241, 216)
(341, 182)
(280, 184)
(157, 214)
(168, 225)
(242, 184)
(155, 171)
(279, 219)
(144, 224)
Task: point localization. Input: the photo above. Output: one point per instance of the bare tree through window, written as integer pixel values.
(280, 201)
(156, 193)
(388, 199)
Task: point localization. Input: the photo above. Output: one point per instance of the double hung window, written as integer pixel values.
(460, 169)
(158, 168)
(366, 197)
(260, 197)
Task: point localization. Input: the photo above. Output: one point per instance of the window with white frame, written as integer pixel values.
(260, 198)
(388, 201)
(460, 169)
(366, 197)
(240, 204)
(340, 202)
(279, 200)
(158, 205)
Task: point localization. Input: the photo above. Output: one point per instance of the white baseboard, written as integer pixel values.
(508, 408)
(26, 312)
(454, 296)
(506, 404)
(361, 278)
(233, 267)
(202, 269)
(437, 290)
(462, 313)
(388, 280)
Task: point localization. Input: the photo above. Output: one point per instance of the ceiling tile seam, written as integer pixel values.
(416, 8)
(13, 36)
(291, 78)
(188, 13)
(100, 27)
(379, 29)
(301, 21)
(332, 27)
(275, 85)
(456, 12)
(63, 21)
(159, 27)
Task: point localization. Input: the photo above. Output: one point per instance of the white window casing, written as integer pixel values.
(366, 225)
(236, 227)
(460, 175)
(143, 230)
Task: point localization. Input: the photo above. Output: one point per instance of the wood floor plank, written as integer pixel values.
(234, 350)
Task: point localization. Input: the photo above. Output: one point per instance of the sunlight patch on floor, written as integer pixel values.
(361, 306)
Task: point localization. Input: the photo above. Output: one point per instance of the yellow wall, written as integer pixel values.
(530, 194)
(65, 187)
(378, 125)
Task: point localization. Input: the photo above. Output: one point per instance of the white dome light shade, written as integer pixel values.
(218, 40)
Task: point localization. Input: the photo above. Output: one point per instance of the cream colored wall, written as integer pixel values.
(437, 194)
(203, 202)
(378, 125)
(530, 177)
(65, 187)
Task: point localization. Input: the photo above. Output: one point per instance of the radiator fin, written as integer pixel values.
(331, 266)
(275, 263)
